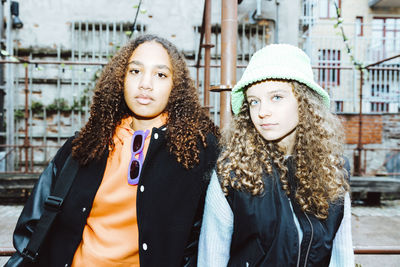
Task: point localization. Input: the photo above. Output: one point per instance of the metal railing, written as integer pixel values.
(44, 118)
(387, 166)
(39, 136)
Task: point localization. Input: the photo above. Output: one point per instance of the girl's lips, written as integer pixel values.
(144, 99)
(267, 126)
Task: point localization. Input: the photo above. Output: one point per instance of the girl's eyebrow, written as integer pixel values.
(136, 63)
(161, 66)
(250, 96)
(274, 91)
(277, 91)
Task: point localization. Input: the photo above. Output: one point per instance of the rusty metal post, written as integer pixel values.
(357, 156)
(197, 77)
(26, 140)
(207, 52)
(228, 57)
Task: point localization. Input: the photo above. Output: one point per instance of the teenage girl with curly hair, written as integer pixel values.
(282, 171)
(144, 159)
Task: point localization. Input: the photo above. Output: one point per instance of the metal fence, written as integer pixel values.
(48, 95)
(52, 94)
(51, 102)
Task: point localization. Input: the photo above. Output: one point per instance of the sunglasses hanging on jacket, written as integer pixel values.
(135, 166)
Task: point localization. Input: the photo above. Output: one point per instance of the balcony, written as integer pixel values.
(383, 3)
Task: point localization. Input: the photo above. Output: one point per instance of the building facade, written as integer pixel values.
(50, 64)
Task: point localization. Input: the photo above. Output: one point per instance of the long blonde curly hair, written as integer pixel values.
(317, 153)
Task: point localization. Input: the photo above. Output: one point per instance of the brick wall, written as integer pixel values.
(371, 131)
(381, 139)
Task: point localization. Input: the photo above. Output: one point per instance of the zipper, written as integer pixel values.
(312, 235)
(298, 254)
(297, 231)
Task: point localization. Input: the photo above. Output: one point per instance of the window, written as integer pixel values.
(327, 8)
(338, 106)
(359, 26)
(383, 83)
(386, 36)
(329, 71)
(99, 40)
(379, 107)
(381, 95)
(308, 12)
(379, 90)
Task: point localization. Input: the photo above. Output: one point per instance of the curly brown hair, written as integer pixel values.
(187, 121)
(318, 155)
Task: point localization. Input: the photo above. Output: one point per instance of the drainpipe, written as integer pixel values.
(228, 58)
(258, 10)
(207, 52)
(2, 87)
(276, 37)
(26, 140)
(10, 129)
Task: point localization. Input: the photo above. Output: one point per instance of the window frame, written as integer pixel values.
(329, 15)
(326, 60)
(360, 24)
(384, 30)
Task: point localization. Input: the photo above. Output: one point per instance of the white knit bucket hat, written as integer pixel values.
(277, 61)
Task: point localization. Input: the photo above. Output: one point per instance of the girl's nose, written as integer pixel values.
(265, 110)
(145, 82)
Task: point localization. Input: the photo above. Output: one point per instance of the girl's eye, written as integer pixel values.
(134, 71)
(276, 97)
(253, 102)
(161, 75)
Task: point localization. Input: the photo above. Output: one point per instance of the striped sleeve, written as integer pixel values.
(217, 227)
(342, 251)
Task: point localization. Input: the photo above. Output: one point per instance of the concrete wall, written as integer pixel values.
(47, 22)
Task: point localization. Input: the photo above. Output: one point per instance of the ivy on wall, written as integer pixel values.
(58, 105)
(349, 49)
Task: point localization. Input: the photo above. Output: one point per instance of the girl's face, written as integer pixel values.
(148, 81)
(274, 111)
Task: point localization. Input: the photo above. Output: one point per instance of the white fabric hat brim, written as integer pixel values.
(272, 72)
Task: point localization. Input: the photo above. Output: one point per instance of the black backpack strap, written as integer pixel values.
(52, 206)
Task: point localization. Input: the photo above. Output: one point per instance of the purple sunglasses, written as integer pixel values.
(135, 166)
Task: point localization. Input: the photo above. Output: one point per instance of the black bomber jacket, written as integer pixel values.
(265, 233)
(170, 205)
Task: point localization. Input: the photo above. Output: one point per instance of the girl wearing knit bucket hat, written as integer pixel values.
(279, 194)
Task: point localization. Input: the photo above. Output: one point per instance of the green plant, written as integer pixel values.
(59, 104)
(19, 114)
(76, 106)
(37, 108)
(83, 101)
(63, 105)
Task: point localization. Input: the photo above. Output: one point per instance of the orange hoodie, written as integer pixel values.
(110, 237)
